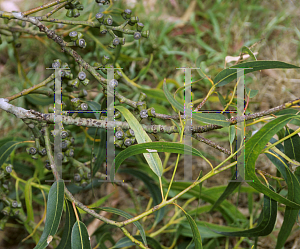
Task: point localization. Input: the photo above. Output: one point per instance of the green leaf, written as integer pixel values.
(127, 216)
(254, 147)
(54, 212)
(7, 149)
(124, 242)
(152, 159)
(155, 147)
(251, 93)
(229, 189)
(200, 59)
(171, 99)
(195, 231)
(101, 152)
(231, 134)
(227, 75)
(145, 69)
(246, 50)
(292, 145)
(211, 118)
(95, 107)
(105, 237)
(152, 187)
(266, 224)
(65, 241)
(39, 100)
(80, 238)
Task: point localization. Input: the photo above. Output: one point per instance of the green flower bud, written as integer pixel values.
(145, 33)
(77, 177)
(76, 13)
(68, 75)
(141, 106)
(42, 151)
(119, 143)
(111, 45)
(133, 20)
(117, 115)
(116, 41)
(97, 64)
(79, 35)
(127, 142)
(51, 109)
(75, 2)
(84, 106)
(75, 102)
(117, 74)
(47, 165)
(142, 97)
(129, 133)
(151, 112)
(56, 63)
(65, 144)
(126, 14)
(81, 75)
(82, 93)
(137, 35)
(84, 183)
(64, 134)
(69, 153)
(79, 7)
(81, 43)
(105, 60)
(74, 83)
(139, 26)
(3, 222)
(120, 135)
(69, 13)
(85, 82)
(143, 114)
(65, 160)
(6, 210)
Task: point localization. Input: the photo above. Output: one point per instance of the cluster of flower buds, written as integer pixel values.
(73, 8)
(77, 39)
(124, 139)
(12, 38)
(142, 107)
(78, 105)
(104, 2)
(66, 147)
(12, 208)
(5, 171)
(82, 178)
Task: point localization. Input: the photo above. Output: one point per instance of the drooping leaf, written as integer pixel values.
(229, 74)
(101, 152)
(94, 106)
(7, 149)
(127, 216)
(70, 220)
(54, 211)
(80, 238)
(292, 145)
(254, 147)
(124, 242)
(246, 50)
(152, 159)
(39, 100)
(266, 224)
(251, 93)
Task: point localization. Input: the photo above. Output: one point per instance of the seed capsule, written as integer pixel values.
(72, 140)
(103, 29)
(87, 175)
(119, 134)
(79, 7)
(129, 133)
(81, 43)
(142, 97)
(108, 20)
(119, 143)
(126, 14)
(81, 75)
(84, 183)
(69, 153)
(116, 41)
(141, 106)
(8, 168)
(84, 106)
(127, 142)
(100, 16)
(64, 134)
(133, 20)
(56, 64)
(151, 112)
(137, 35)
(32, 150)
(139, 26)
(75, 102)
(43, 151)
(117, 74)
(73, 35)
(113, 83)
(144, 114)
(65, 144)
(69, 13)
(68, 75)
(77, 177)
(14, 204)
(104, 60)
(6, 210)
(60, 156)
(47, 165)
(145, 33)
(74, 83)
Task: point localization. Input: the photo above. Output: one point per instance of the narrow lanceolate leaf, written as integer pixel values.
(141, 136)
(94, 106)
(246, 50)
(292, 145)
(195, 231)
(124, 242)
(254, 147)
(54, 210)
(154, 147)
(210, 118)
(6, 150)
(80, 238)
(127, 216)
(251, 93)
(65, 241)
(101, 152)
(266, 222)
(230, 74)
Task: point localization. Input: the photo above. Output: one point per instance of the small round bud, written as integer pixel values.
(43, 152)
(84, 183)
(143, 114)
(119, 135)
(133, 20)
(8, 169)
(127, 142)
(141, 106)
(72, 140)
(129, 133)
(126, 14)
(64, 134)
(32, 150)
(113, 83)
(69, 153)
(75, 102)
(119, 143)
(79, 7)
(100, 16)
(139, 26)
(82, 93)
(145, 33)
(117, 74)
(77, 177)
(137, 35)
(6, 210)
(69, 13)
(84, 106)
(117, 115)
(73, 35)
(81, 75)
(151, 112)
(142, 97)
(116, 41)
(60, 156)
(85, 82)
(56, 64)
(65, 144)
(74, 83)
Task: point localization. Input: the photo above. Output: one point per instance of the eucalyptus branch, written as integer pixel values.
(44, 6)
(20, 29)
